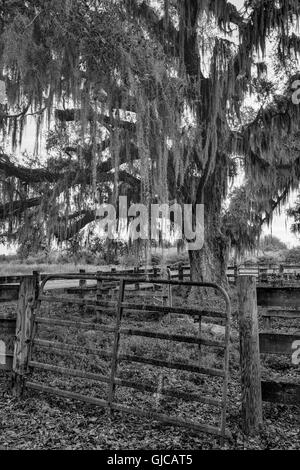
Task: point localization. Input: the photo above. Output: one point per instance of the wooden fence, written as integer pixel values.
(9, 285)
(9, 292)
(7, 334)
(28, 318)
(281, 303)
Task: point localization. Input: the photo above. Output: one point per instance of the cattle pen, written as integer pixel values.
(105, 310)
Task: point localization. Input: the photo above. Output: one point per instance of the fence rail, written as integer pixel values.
(262, 272)
(277, 343)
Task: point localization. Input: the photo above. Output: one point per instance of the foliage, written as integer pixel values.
(293, 255)
(272, 243)
(149, 100)
(241, 221)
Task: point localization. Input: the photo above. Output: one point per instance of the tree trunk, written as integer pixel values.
(210, 263)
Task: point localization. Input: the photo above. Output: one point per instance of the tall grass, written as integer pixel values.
(15, 269)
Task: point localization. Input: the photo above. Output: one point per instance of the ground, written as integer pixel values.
(44, 422)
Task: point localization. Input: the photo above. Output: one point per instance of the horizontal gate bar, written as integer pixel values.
(134, 307)
(170, 337)
(171, 421)
(65, 393)
(72, 372)
(122, 408)
(61, 347)
(55, 346)
(173, 365)
(179, 310)
(57, 322)
(132, 332)
(192, 397)
(126, 383)
(70, 300)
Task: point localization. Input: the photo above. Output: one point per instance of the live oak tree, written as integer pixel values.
(150, 99)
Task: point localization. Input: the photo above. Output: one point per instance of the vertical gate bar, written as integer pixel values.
(170, 292)
(99, 296)
(199, 334)
(114, 364)
(82, 284)
(226, 367)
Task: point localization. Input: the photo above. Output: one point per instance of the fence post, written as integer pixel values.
(82, 282)
(37, 276)
(235, 273)
(115, 353)
(249, 355)
(26, 304)
(136, 271)
(180, 273)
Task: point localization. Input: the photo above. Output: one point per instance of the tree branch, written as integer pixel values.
(70, 115)
(14, 208)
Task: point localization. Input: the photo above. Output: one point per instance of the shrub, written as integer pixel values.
(293, 255)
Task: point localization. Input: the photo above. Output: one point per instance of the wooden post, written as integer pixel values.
(136, 274)
(82, 282)
(235, 273)
(115, 352)
(82, 285)
(180, 273)
(249, 355)
(37, 276)
(26, 304)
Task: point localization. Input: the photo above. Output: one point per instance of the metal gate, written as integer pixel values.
(119, 332)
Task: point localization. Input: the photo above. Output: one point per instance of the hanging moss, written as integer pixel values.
(104, 61)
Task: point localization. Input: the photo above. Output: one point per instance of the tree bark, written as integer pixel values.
(210, 263)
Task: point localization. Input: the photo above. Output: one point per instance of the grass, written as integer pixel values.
(15, 269)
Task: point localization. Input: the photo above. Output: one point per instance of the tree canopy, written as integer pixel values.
(147, 99)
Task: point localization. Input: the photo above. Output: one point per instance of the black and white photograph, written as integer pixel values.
(150, 228)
